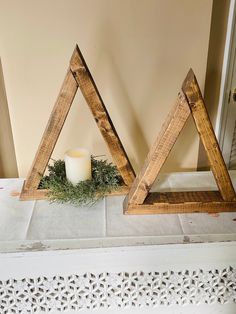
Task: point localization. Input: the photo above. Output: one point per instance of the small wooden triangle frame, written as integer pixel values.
(78, 75)
(140, 201)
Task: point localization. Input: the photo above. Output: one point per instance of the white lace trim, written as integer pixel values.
(117, 290)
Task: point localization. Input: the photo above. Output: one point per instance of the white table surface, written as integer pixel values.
(39, 225)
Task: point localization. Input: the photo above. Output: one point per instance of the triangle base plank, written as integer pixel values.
(182, 202)
(41, 194)
(140, 201)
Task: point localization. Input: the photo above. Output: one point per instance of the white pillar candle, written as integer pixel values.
(78, 165)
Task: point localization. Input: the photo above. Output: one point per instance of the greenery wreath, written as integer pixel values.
(105, 179)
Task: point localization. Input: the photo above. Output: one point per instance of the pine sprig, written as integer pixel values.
(105, 179)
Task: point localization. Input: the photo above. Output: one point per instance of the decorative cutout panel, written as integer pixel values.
(117, 290)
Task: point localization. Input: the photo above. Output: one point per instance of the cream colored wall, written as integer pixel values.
(138, 51)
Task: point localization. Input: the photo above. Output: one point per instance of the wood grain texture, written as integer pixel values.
(52, 131)
(41, 194)
(181, 202)
(193, 94)
(159, 151)
(32, 194)
(91, 94)
(183, 197)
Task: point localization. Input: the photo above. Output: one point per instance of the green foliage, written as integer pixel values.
(105, 179)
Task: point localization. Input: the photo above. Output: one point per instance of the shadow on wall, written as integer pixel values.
(8, 167)
(219, 20)
(129, 130)
(1, 167)
(132, 129)
(132, 126)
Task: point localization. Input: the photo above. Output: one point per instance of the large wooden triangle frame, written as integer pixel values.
(78, 75)
(140, 201)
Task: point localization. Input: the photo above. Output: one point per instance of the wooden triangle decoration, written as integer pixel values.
(140, 201)
(77, 76)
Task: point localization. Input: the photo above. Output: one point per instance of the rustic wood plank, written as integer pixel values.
(91, 94)
(160, 151)
(183, 197)
(32, 194)
(193, 94)
(214, 207)
(182, 202)
(41, 194)
(52, 131)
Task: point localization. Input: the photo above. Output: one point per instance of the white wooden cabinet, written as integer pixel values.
(57, 258)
